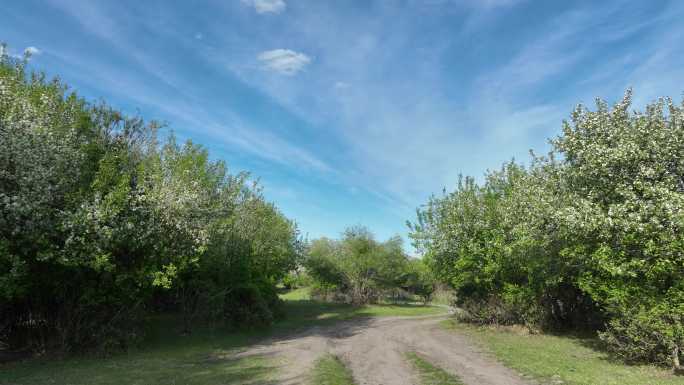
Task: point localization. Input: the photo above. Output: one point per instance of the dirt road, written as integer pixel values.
(374, 349)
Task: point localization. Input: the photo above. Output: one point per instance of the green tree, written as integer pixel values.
(98, 222)
(357, 265)
(589, 236)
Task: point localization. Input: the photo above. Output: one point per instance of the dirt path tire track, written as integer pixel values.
(374, 349)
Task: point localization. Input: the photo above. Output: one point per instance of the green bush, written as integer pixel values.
(99, 223)
(589, 237)
(648, 333)
(484, 312)
(252, 306)
(360, 270)
(296, 280)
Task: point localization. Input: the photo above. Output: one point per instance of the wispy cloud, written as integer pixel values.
(226, 128)
(33, 51)
(268, 146)
(480, 4)
(140, 82)
(266, 6)
(388, 110)
(404, 132)
(284, 61)
(541, 58)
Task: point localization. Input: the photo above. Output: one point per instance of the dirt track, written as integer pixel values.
(375, 348)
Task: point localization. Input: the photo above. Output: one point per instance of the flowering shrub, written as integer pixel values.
(590, 236)
(98, 222)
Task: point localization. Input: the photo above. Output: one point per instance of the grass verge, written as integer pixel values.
(431, 374)
(562, 359)
(329, 370)
(303, 312)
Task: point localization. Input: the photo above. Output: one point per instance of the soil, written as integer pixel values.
(375, 351)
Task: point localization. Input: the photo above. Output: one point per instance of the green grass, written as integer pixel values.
(329, 370)
(303, 293)
(304, 311)
(431, 374)
(572, 360)
(204, 357)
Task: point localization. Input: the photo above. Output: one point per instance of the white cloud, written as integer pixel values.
(284, 61)
(33, 51)
(266, 6)
(341, 85)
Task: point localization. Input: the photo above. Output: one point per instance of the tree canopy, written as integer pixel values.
(101, 224)
(589, 236)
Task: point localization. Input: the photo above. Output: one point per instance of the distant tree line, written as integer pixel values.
(590, 236)
(358, 269)
(101, 225)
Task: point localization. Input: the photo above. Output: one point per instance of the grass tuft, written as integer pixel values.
(431, 374)
(329, 370)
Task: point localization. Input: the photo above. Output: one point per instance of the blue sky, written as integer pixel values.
(354, 112)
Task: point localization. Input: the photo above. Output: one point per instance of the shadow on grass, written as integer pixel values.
(307, 316)
(592, 347)
(169, 368)
(590, 340)
(207, 355)
(570, 357)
